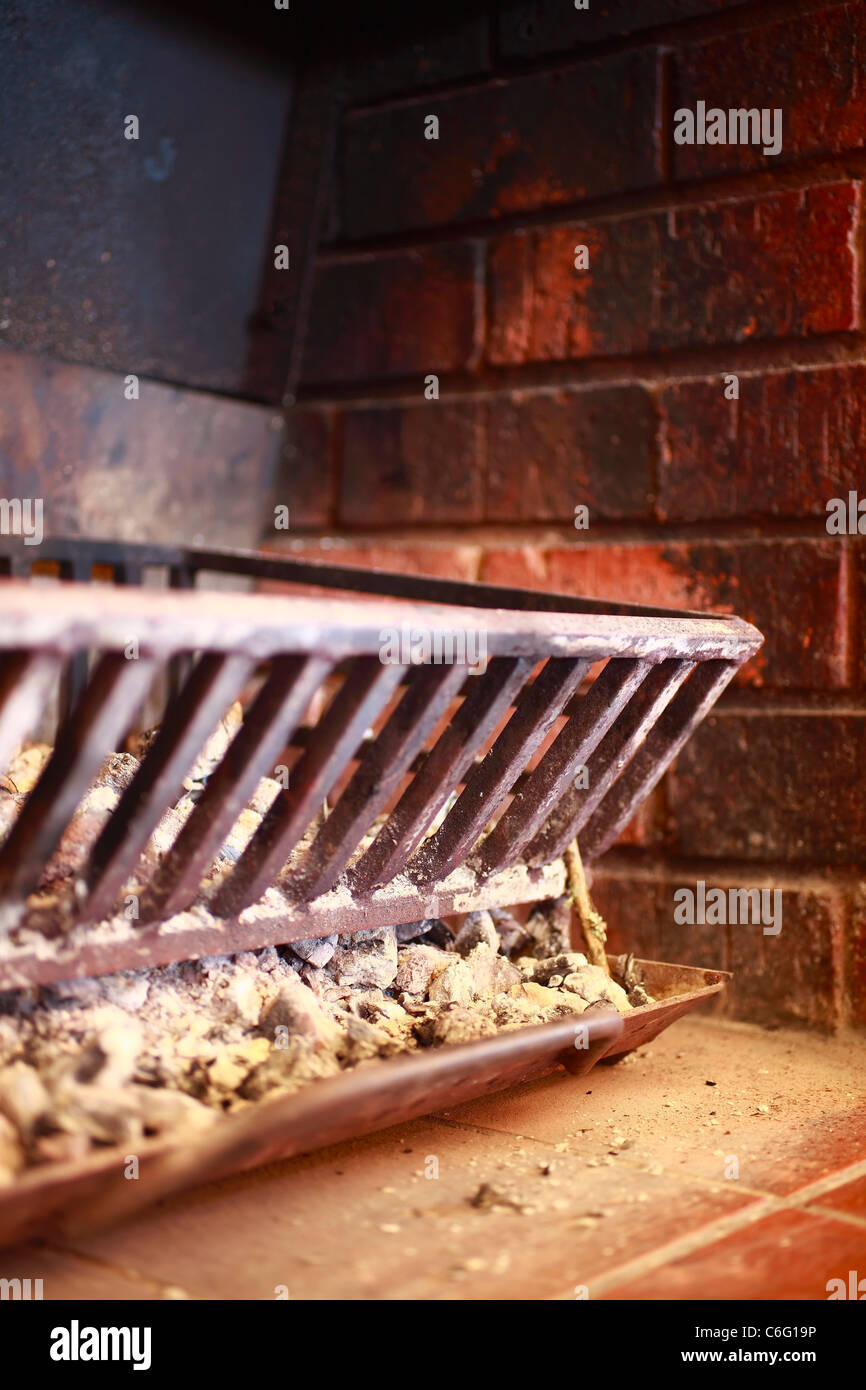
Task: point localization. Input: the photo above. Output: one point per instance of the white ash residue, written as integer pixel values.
(169, 1049)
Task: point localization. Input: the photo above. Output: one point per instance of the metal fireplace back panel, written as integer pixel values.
(449, 786)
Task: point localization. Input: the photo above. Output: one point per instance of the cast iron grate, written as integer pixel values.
(448, 787)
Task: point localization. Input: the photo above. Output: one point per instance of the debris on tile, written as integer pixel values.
(488, 1197)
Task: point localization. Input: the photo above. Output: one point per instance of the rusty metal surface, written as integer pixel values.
(138, 255)
(535, 713)
(26, 681)
(190, 718)
(278, 707)
(444, 768)
(677, 722)
(377, 778)
(677, 989)
(366, 690)
(624, 738)
(278, 919)
(297, 221)
(172, 464)
(96, 725)
(554, 775)
(69, 617)
(391, 743)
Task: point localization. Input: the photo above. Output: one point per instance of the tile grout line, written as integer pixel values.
(724, 1226)
(839, 1178)
(683, 1245)
(118, 1271)
(764, 1204)
(846, 1217)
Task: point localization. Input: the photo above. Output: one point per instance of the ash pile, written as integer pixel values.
(168, 1049)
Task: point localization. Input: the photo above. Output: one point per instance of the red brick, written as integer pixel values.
(548, 452)
(535, 141)
(520, 566)
(651, 574)
(442, 560)
(809, 66)
(793, 977)
(858, 634)
(794, 591)
(856, 963)
(419, 464)
(304, 480)
(632, 909)
(796, 976)
(542, 309)
(645, 828)
(532, 27)
(639, 914)
(791, 442)
(850, 1199)
(459, 50)
(787, 1256)
(391, 315)
(777, 266)
(773, 787)
(764, 268)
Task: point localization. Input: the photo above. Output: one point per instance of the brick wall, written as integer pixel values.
(454, 257)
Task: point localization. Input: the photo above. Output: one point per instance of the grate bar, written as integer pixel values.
(189, 721)
(79, 570)
(95, 727)
(127, 572)
(613, 754)
(379, 775)
(674, 728)
(276, 710)
(535, 713)
(26, 682)
(360, 700)
(430, 763)
(535, 801)
(487, 702)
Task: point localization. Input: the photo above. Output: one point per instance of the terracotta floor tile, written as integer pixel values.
(637, 1155)
(362, 1220)
(788, 1106)
(850, 1198)
(789, 1255)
